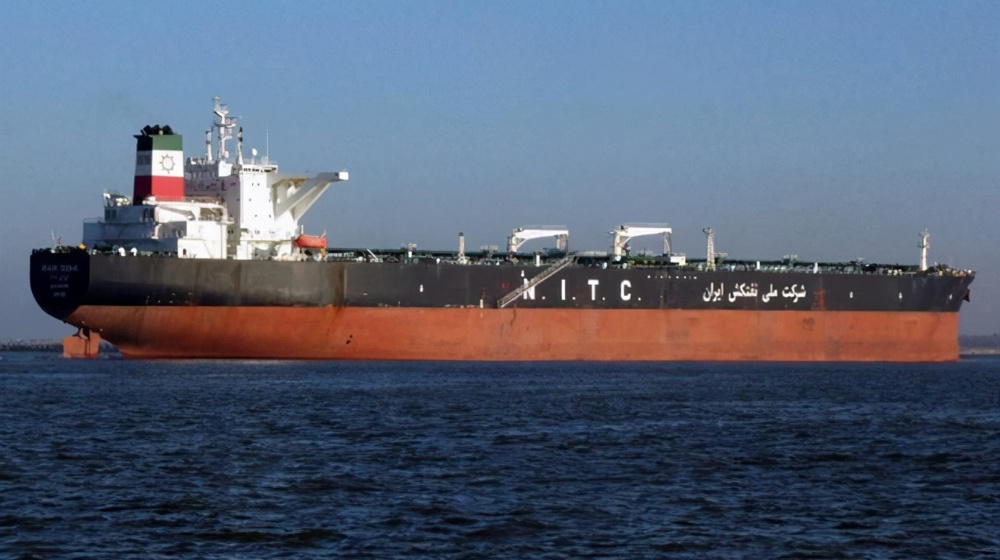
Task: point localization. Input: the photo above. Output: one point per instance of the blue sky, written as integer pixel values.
(831, 130)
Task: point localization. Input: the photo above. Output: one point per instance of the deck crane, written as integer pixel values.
(522, 234)
(624, 233)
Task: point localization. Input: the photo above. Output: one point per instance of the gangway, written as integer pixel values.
(536, 280)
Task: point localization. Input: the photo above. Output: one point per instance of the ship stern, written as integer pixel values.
(60, 279)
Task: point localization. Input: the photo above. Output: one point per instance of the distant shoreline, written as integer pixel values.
(979, 352)
(43, 346)
(30, 346)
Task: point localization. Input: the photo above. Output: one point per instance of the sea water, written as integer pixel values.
(116, 459)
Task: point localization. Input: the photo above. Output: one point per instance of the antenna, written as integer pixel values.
(224, 126)
(220, 108)
(239, 147)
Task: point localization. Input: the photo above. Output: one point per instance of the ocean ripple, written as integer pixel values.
(108, 458)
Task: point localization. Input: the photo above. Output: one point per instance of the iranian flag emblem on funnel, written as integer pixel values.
(159, 165)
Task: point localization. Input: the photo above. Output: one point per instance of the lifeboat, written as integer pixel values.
(304, 241)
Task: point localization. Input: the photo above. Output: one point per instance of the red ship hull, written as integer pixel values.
(389, 333)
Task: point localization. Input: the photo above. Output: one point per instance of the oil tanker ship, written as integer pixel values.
(207, 259)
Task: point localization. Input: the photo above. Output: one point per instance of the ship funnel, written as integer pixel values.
(159, 165)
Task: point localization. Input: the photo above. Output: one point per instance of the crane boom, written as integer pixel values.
(624, 233)
(523, 234)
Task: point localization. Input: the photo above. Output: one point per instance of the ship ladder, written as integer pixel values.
(536, 280)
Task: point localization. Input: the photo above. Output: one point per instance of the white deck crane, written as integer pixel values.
(523, 234)
(624, 233)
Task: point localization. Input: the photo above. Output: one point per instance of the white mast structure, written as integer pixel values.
(712, 258)
(924, 246)
(225, 126)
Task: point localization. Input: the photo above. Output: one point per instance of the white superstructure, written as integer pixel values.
(231, 209)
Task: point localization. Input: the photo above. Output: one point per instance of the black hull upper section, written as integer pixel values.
(60, 281)
(63, 281)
